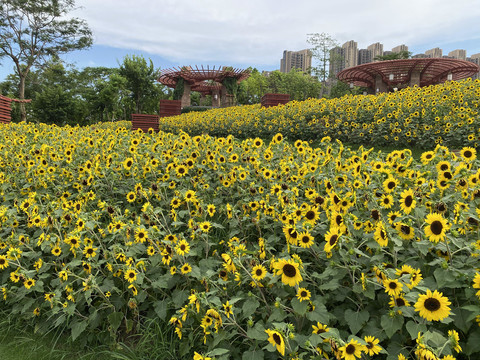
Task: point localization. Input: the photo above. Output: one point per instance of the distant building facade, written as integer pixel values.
(434, 53)
(458, 54)
(301, 60)
(348, 55)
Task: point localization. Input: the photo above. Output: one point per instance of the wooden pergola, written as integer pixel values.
(386, 75)
(207, 81)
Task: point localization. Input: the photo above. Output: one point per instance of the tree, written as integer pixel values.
(322, 45)
(404, 54)
(141, 78)
(32, 31)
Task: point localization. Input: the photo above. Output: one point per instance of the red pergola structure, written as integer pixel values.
(384, 76)
(207, 81)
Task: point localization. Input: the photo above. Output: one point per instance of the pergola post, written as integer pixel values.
(380, 86)
(414, 78)
(186, 94)
(215, 98)
(223, 96)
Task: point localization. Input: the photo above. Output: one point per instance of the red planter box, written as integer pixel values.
(170, 107)
(145, 122)
(274, 99)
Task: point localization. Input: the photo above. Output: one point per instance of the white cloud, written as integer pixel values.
(257, 32)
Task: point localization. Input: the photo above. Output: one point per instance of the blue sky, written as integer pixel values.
(255, 32)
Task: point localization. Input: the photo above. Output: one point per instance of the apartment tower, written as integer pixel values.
(376, 50)
(301, 60)
(434, 53)
(350, 53)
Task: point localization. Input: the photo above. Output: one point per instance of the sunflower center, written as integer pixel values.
(467, 154)
(132, 275)
(391, 185)
(333, 240)
(408, 201)
(2, 261)
(305, 239)
(350, 349)
(392, 285)
(444, 167)
(432, 304)
(436, 227)
(369, 345)
(258, 272)
(400, 302)
(277, 339)
(289, 270)
(310, 215)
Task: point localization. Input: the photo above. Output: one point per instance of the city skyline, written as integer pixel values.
(252, 33)
(349, 55)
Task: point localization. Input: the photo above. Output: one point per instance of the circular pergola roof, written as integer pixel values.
(431, 70)
(204, 80)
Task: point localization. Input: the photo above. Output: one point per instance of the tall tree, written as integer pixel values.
(404, 54)
(141, 77)
(32, 31)
(322, 44)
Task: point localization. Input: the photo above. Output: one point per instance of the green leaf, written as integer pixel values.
(250, 306)
(160, 308)
(78, 328)
(253, 355)
(257, 332)
(218, 352)
(434, 338)
(300, 307)
(115, 319)
(391, 324)
(413, 329)
(356, 320)
(473, 343)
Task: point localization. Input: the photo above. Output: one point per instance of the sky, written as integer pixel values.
(255, 33)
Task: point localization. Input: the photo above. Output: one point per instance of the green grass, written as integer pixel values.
(20, 342)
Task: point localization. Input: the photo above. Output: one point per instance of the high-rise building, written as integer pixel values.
(434, 53)
(301, 60)
(376, 50)
(475, 58)
(350, 53)
(400, 48)
(364, 56)
(458, 54)
(337, 61)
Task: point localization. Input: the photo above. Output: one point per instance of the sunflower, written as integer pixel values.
(182, 248)
(406, 232)
(305, 240)
(131, 197)
(352, 350)
(130, 275)
(398, 301)
(28, 283)
(320, 328)
(227, 309)
(56, 251)
(3, 262)
(259, 272)
(331, 238)
(386, 201)
(303, 294)
(140, 236)
(205, 226)
(389, 184)
(415, 278)
(454, 339)
(186, 268)
(468, 154)
(197, 356)
(89, 252)
(380, 235)
(433, 306)
(372, 348)
(276, 339)
(427, 157)
(311, 215)
(392, 287)
(408, 201)
(436, 228)
(289, 270)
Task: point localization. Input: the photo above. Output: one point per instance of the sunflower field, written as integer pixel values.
(444, 114)
(248, 248)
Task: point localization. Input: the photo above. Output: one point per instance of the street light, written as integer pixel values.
(449, 77)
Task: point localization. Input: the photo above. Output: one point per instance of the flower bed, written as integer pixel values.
(446, 114)
(249, 249)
